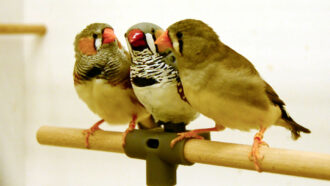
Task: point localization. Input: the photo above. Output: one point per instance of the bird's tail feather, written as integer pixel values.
(289, 123)
(296, 129)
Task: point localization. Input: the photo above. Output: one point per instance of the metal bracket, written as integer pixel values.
(161, 160)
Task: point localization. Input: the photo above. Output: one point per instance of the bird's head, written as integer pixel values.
(99, 53)
(95, 38)
(190, 39)
(141, 38)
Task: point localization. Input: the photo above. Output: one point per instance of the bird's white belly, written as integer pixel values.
(232, 113)
(112, 103)
(165, 104)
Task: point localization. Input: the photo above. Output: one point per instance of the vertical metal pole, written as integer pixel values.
(161, 160)
(159, 172)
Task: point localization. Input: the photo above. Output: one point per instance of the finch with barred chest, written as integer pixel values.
(223, 85)
(155, 79)
(101, 79)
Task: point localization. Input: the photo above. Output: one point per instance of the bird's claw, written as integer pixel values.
(255, 155)
(128, 130)
(89, 132)
(184, 135)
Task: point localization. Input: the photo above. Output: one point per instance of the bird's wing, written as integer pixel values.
(271, 94)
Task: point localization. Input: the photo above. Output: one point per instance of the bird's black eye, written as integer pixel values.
(179, 35)
(173, 59)
(94, 36)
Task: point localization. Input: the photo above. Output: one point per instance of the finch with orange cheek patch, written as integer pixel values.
(101, 79)
(223, 85)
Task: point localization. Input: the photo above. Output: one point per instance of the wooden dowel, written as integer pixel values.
(22, 29)
(69, 137)
(289, 162)
(282, 161)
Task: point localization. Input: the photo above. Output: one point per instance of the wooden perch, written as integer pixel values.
(282, 161)
(22, 29)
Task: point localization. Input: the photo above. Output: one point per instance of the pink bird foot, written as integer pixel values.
(255, 155)
(194, 134)
(130, 128)
(90, 131)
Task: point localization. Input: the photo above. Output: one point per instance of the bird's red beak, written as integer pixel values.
(163, 42)
(136, 38)
(108, 36)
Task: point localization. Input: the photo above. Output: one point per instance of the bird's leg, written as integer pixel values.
(194, 134)
(130, 128)
(255, 155)
(91, 131)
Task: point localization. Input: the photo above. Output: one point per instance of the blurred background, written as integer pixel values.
(287, 41)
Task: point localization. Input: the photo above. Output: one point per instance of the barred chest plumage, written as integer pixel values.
(155, 83)
(148, 69)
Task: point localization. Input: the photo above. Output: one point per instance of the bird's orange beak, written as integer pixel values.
(163, 42)
(108, 36)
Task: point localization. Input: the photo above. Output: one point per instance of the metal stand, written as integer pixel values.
(161, 160)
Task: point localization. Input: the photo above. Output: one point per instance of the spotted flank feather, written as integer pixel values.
(180, 90)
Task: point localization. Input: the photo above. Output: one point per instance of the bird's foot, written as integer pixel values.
(185, 135)
(255, 155)
(90, 131)
(130, 128)
(194, 134)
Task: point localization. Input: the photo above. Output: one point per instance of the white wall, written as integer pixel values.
(12, 98)
(288, 41)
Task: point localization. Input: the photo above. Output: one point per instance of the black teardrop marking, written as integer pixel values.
(93, 72)
(143, 82)
(180, 46)
(179, 36)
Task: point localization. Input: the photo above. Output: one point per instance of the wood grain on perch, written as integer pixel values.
(22, 29)
(282, 161)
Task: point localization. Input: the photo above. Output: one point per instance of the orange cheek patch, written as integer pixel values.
(86, 46)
